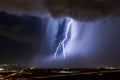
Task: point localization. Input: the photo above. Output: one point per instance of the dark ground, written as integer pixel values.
(105, 76)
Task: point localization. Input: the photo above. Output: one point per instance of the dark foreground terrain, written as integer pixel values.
(104, 76)
(63, 75)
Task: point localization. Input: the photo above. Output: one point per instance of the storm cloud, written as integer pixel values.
(27, 35)
(79, 9)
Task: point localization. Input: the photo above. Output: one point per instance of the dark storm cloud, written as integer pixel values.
(20, 37)
(84, 9)
(25, 29)
(21, 6)
(79, 9)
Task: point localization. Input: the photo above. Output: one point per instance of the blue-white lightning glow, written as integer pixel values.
(62, 43)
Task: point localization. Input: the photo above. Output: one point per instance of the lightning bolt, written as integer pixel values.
(62, 43)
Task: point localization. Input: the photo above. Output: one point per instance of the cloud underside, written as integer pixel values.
(78, 9)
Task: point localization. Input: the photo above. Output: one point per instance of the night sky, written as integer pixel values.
(29, 29)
